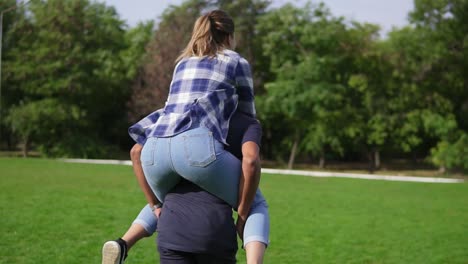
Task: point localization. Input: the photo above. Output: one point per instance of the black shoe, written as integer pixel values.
(114, 252)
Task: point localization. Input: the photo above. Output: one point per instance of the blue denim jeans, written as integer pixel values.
(196, 156)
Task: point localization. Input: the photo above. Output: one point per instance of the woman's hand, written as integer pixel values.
(157, 212)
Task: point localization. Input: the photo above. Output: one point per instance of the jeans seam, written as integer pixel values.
(150, 162)
(170, 155)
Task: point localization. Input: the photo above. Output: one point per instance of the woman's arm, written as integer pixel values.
(135, 154)
(248, 183)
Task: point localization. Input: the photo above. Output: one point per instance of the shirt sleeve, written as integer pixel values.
(244, 86)
(253, 133)
(140, 131)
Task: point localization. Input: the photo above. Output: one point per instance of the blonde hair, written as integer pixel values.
(210, 35)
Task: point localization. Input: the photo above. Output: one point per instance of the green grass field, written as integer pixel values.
(55, 212)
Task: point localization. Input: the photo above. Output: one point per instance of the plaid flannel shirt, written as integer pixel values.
(204, 90)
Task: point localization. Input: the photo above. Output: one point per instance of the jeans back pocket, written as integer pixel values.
(199, 149)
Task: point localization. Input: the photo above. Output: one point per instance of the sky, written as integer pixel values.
(385, 13)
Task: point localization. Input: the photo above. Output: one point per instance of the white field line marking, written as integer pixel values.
(302, 173)
(98, 161)
(361, 176)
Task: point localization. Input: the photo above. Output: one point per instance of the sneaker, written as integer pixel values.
(114, 252)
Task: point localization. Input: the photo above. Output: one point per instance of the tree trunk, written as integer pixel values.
(377, 159)
(292, 156)
(442, 169)
(25, 147)
(322, 160)
(370, 157)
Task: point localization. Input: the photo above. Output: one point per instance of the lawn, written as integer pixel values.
(55, 212)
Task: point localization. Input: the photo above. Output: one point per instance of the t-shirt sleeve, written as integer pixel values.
(253, 133)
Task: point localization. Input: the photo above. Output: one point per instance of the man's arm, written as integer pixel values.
(248, 183)
(135, 154)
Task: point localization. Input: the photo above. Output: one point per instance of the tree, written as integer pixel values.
(7, 98)
(68, 52)
(369, 93)
(444, 70)
(452, 153)
(137, 39)
(311, 63)
(51, 114)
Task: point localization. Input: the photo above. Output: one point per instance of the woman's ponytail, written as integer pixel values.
(210, 35)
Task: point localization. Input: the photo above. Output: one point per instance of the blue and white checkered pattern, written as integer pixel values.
(204, 90)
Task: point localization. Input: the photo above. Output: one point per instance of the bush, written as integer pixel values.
(451, 155)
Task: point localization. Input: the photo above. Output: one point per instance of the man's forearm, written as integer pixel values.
(248, 189)
(250, 178)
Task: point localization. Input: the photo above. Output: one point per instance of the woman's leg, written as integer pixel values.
(201, 159)
(144, 225)
(257, 230)
(134, 233)
(157, 166)
(257, 226)
(254, 252)
(115, 251)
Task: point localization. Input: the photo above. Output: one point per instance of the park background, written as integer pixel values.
(332, 93)
(329, 90)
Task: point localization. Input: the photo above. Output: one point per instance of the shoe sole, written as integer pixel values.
(111, 253)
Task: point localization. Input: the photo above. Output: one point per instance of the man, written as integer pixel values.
(244, 138)
(196, 227)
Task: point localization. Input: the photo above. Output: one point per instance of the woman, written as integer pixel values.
(187, 138)
(244, 139)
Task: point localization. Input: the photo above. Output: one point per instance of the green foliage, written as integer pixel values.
(134, 56)
(326, 87)
(429, 66)
(443, 25)
(343, 90)
(308, 88)
(69, 53)
(452, 155)
(49, 114)
(330, 79)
